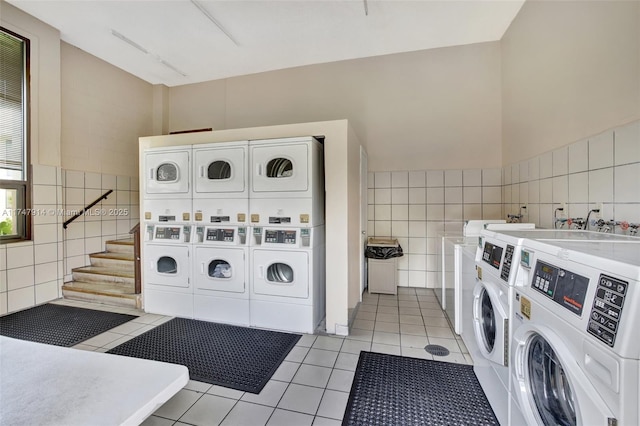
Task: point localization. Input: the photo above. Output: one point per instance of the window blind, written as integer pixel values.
(12, 94)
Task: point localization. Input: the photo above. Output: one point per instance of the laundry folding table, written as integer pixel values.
(51, 385)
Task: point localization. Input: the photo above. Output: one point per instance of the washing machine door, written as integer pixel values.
(219, 269)
(281, 273)
(491, 321)
(166, 265)
(220, 170)
(280, 168)
(167, 172)
(549, 385)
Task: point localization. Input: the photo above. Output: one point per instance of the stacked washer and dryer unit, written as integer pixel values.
(499, 277)
(251, 232)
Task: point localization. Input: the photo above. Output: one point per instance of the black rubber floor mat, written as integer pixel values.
(231, 356)
(59, 325)
(396, 390)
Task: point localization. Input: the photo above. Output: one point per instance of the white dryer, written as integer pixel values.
(221, 183)
(288, 279)
(575, 348)
(287, 182)
(166, 184)
(167, 287)
(221, 274)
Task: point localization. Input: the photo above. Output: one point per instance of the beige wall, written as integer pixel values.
(104, 112)
(342, 214)
(570, 69)
(436, 108)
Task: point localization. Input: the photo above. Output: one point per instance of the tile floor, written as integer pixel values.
(312, 385)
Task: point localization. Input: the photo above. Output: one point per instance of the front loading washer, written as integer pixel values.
(575, 348)
(288, 281)
(221, 274)
(287, 182)
(167, 287)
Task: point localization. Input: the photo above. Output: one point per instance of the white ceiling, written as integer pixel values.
(265, 34)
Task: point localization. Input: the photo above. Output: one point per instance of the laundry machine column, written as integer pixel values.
(221, 274)
(167, 287)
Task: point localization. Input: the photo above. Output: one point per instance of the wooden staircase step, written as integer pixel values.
(102, 274)
(122, 261)
(102, 293)
(120, 246)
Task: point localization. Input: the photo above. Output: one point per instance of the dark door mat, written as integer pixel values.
(59, 325)
(396, 390)
(231, 356)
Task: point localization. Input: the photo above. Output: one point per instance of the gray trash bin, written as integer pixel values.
(382, 259)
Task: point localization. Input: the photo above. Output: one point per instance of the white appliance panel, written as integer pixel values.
(220, 270)
(167, 173)
(281, 273)
(280, 168)
(167, 266)
(220, 171)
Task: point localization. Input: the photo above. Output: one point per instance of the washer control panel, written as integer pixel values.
(278, 236)
(492, 254)
(220, 234)
(564, 287)
(506, 263)
(607, 308)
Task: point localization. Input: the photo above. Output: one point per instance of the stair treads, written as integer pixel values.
(396, 390)
(59, 325)
(231, 356)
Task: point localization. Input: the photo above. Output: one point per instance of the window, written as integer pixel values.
(15, 223)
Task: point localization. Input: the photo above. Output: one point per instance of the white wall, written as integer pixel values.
(31, 272)
(570, 70)
(436, 108)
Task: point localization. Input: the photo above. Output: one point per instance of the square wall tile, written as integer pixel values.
(399, 196)
(400, 228)
(627, 144)
(74, 179)
(472, 177)
(399, 212)
(382, 212)
(506, 175)
(546, 191)
(492, 211)
(20, 278)
(523, 192)
(46, 272)
(399, 179)
(491, 177)
(435, 178)
(382, 196)
(123, 183)
(417, 212)
(453, 212)
(561, 161)
(109, 182)
(524, 171)
(601, 185)
(492, 194)
(560, 189)
(601, 150)
(453, 178)
(93, 180)
(472, 211)
(417, 195)
(534, 191)
(626, 178)
(382, 228)
(579, 187)
(43, 194)
(435, 195)
(20, 299)
(472, 194)
(453, 195)
(44, 175)
(515, 173)
(417, 179)
(435, 212)
(579, 156)
(19, 256)
(45, 253)
(382, 180)
(46, 292)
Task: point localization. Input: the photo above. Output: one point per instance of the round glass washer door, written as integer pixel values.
(550, 389)
(487, 321)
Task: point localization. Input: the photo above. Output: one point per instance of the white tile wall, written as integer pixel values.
(604, 168)
(112, 218)
(418, 206)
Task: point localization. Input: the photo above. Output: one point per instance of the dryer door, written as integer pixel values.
(166, 265)
(280, 168)
(167, 172)
(220, 170)
(219, 269)
(490, 321)
(281, 273)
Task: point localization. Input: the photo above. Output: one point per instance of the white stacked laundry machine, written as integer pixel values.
(220, 244)
(235, 232)
(287, 246)
(167, 231)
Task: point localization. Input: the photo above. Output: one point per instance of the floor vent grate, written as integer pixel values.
(437, 350)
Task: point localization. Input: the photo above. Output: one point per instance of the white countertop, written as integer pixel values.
(51, 385)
